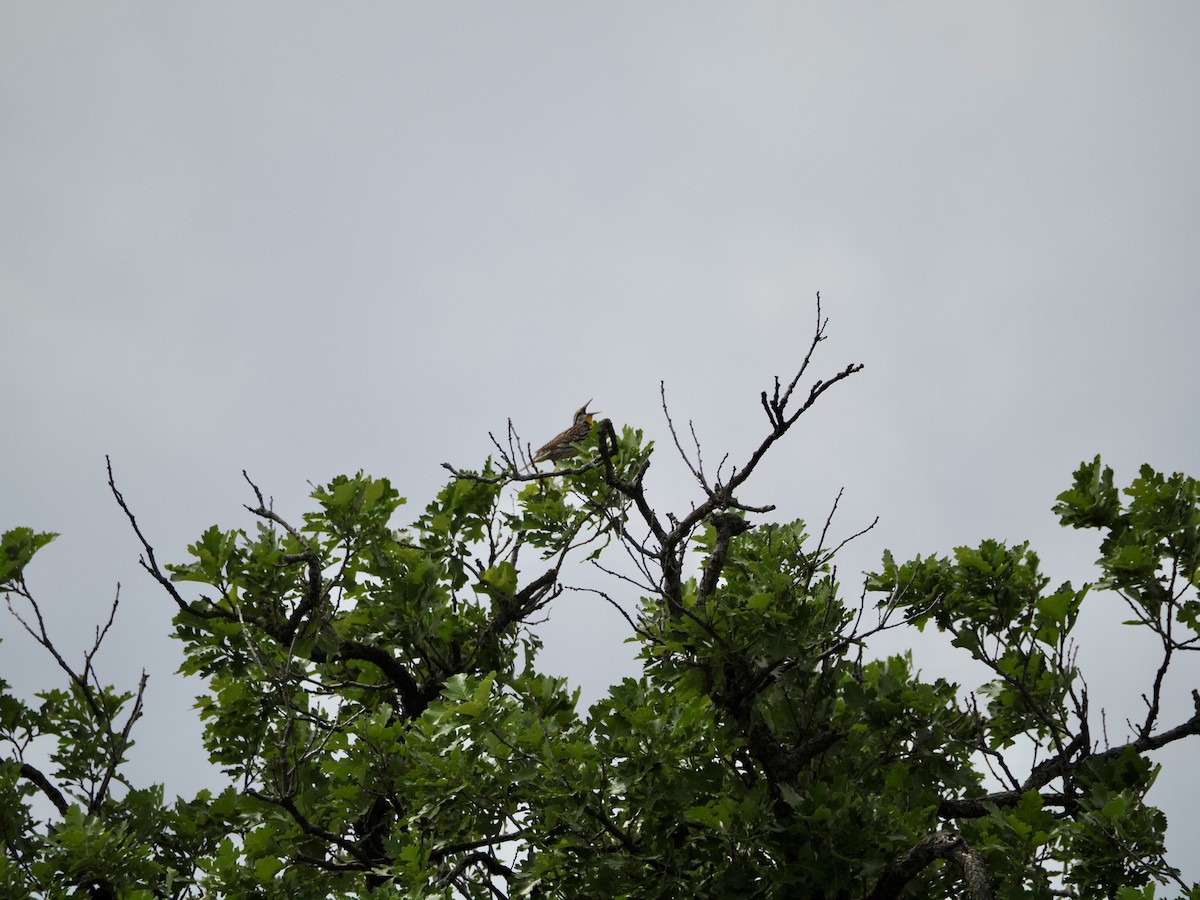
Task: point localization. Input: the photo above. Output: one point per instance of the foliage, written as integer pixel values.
(373, 697)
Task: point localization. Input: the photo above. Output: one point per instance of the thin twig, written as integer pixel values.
(148, 561)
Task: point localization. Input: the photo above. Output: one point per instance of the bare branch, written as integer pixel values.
(696, 469)
(414, 698)
(1062, 764)
(43, 638)
(487, 860)
(116, 752)
(148, 561)
(101, 632)
(1163, 629)
(53, 794)
(509, 462)
(331, 865)
(314, 590)
(818, 336)
(513, 475)
(289, 805)
(978, 807)
(939, 845)
(615, 605)
(766, 405)
(490, 841)
(728, 526)
(721, 496)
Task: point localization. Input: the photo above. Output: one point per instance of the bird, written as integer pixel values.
(562, 446)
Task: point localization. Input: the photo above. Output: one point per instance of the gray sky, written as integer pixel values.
(303, 239)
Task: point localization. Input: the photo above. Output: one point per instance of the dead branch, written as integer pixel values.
(939, 845)
(53, 794)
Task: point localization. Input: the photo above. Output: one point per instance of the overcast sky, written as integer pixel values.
(303, 239)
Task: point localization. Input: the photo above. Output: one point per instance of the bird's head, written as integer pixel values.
(582, 415)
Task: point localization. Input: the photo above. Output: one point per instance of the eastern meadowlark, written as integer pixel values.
(562, 446)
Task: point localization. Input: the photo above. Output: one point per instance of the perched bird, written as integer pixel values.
(562, 446)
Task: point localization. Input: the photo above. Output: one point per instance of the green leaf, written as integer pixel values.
(499, 581)
(17, 548)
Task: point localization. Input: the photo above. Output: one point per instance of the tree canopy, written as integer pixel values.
(374, 697)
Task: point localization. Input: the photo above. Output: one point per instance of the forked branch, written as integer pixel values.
(939, 845)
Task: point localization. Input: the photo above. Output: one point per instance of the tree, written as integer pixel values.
(373, 696)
